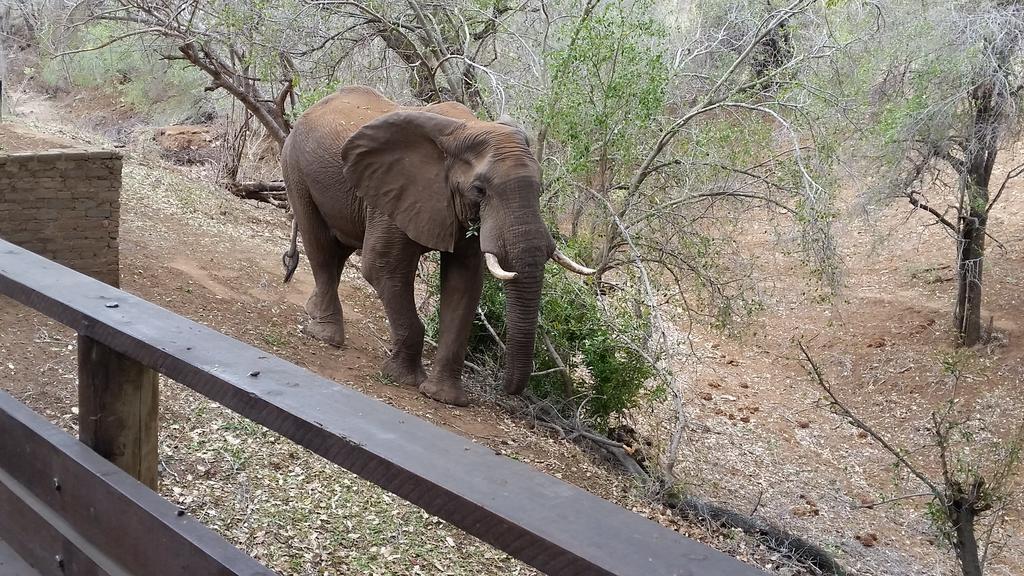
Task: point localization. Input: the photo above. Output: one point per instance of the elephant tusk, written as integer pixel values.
(494, 268)
(571, 266)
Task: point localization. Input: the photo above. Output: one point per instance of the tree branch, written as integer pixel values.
(917, 203)
(844, 411)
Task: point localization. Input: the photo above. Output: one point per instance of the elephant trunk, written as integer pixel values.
(521, 312)
(513, 232)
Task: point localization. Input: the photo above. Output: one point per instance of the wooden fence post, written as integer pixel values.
(117, 409)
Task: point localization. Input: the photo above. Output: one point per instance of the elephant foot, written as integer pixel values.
(512, 387)
(332, 333)
(448, 393)
(404, 373)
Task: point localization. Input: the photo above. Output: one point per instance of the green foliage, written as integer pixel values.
(607, 85)
(163, 90)
(596, 339)
(312, 96)
(958, 361)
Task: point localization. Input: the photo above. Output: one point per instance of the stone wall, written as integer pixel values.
(65, 205)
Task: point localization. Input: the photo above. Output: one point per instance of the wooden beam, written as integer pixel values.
(66, 511)
(117, 409)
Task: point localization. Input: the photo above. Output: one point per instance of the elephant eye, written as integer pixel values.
(476, 191)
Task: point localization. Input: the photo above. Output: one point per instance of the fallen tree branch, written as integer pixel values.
(253, 187)
(572, 430)
(269, 192)
(797, 548)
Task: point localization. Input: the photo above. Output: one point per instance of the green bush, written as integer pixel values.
(163, 90)
(594, 340)
(593, 336)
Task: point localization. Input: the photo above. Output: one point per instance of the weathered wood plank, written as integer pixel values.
(67, 511)
(548, 523)
(11, 564)
(117, 409)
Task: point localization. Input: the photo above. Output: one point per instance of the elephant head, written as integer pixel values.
(439, 179)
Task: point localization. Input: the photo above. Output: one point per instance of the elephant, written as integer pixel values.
(363, 173)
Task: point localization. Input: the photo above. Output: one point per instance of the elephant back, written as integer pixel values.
(345, 111)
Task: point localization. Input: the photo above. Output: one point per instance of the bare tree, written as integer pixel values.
(969, 494)
(446, 47)
(261, 55)
(946, 107)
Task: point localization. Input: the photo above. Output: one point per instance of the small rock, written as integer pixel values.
(803, 423)
(745, 419)
(862, 434)
(805, 511)
(706, 396)
(867, 539)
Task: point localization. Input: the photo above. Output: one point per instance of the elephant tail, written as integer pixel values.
(290, 259)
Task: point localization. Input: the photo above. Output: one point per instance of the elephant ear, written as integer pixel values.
(398, 166)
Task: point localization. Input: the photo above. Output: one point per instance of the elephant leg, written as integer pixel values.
(461, 283)
(389, 265)
(327, 258)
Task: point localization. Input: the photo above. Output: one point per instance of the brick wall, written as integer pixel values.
(65, 205)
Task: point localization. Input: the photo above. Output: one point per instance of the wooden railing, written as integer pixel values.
(97, 520)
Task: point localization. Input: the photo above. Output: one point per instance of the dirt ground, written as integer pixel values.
(760, 439)
(773, 443)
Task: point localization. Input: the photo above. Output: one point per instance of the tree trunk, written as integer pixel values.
(980, 158)
(970, 263)
(962, 515)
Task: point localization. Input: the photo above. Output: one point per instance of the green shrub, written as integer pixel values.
(163, 90)
(593, 336)
(594, 340)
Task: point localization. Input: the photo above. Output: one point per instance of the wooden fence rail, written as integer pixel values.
(545, 522)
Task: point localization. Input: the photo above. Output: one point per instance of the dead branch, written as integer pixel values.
(797, 548)
(245, 91)
(567, 387)
(269, 192)
(871, 505)
(115, 40)
(941, 218)
(1010, 175)
(574, 429)
(490, 329)
(846, 413)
